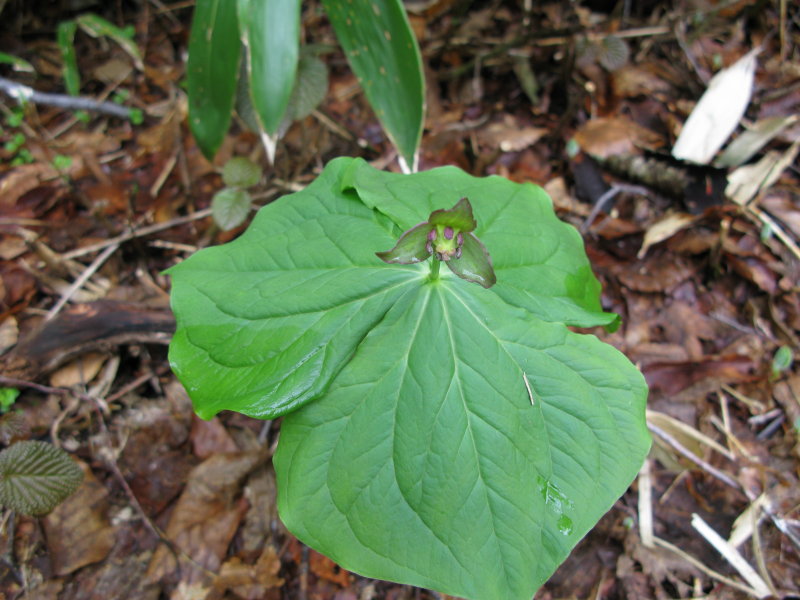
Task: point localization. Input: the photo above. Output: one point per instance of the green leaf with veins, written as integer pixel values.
(436, 433)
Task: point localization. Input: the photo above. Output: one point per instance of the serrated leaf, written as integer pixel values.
(384, 55)
(212, 70)
(240, 172)
(230, 207)
(36, 476)
(272, 34)
(310, 86)
(459, 438)
(613, 52)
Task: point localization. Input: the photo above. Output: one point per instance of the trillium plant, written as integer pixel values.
(443, 428)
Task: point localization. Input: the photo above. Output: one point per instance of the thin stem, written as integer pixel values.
(435, 264)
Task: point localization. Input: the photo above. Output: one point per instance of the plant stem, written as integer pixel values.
(435, 264)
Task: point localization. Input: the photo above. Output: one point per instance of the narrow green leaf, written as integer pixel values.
(230, 207)
(65, 38)
(428, 462)
(212, 69)
(97, 26)
(36, 476)
(384, 55)
(272, 33)
(17, 63)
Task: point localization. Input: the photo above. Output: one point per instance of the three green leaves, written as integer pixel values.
(264, 35)
(439, 433)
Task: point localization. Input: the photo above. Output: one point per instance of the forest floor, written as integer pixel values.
(93, 211)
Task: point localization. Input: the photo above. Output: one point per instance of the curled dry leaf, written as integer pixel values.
(664, 229)
(509, 135)
(80, 371)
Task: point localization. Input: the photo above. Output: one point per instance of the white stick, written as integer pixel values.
(646, 505)
(81, 280)
(732, 556)
(528, 387)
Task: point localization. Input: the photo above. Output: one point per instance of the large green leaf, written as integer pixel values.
(266, 321)
(436, 432)
(212, 69)
(384, 55)
(428, 462)
(272, 34)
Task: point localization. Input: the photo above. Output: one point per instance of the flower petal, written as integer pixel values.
(475, 264)
(410, 248)
(459, 217)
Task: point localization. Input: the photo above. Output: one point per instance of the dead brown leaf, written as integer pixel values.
(638, 80)
(611, 136)
(207, 514)
(210, 437)
(262, 518)
(250, 582)
(509, 135)
(78, 530)
(671, 378)
(657, 273)
(324, 568)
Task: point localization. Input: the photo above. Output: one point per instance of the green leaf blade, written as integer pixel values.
(384, 55)
(36, 476)
(426, 462)
(272, 33)
(212, 69)
(266, 321)
(65, 38)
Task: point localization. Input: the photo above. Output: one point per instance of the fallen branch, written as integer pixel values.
(23, 93)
